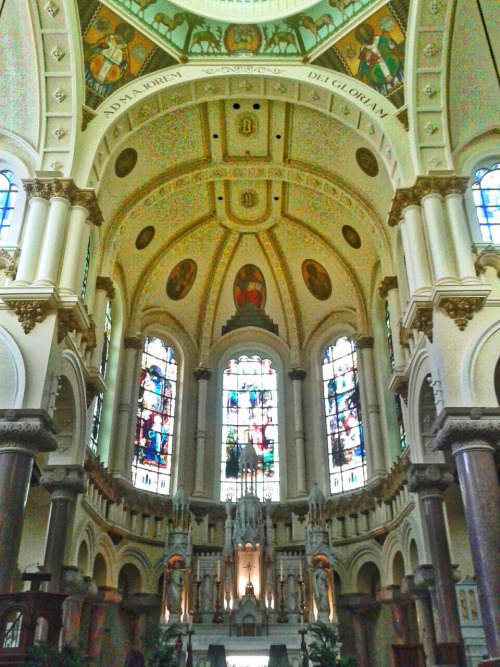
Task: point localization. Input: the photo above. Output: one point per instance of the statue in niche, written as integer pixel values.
(320, 588)
(175, 585)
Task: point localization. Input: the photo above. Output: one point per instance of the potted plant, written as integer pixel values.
(325, 649)
(43, 655)
(159, 645)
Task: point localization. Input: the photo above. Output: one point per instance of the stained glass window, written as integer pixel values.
(486, 193)
(346, 452)
(250, 414)
(399, 409)
(85, 272)
(96, 420)
(8, 195)
(151, 467)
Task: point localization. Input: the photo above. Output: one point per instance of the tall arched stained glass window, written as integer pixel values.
(346, 452)
(152, 464)
(8, 195)
(397, 398)
(486, 193)
(96, 419)
(86, 268)
(250, 414)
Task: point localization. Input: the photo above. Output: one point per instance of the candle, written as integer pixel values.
(218, 570)
(300, 570)
(198, 571)
(281, 570)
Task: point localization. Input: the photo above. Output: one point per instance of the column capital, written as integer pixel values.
(26, 431)
(364, 343)
(65, 188)
(414, 589)
(105, 284)
(388, 283)
(141, 603)
(357, 603)
(202, 373)
(107, 595)
(64, 481)
(133, 343)
(297, 374)
(391, 595)
(428, 479)
(466, 428)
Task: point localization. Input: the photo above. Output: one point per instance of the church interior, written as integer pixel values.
(250, 331)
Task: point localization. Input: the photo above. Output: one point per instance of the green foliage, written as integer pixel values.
(43, 655)
(324, 649)
(159, 645)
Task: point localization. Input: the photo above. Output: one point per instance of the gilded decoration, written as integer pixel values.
(422, 321)
(66, 189)
(387, 284)
(425, 185)
(67, 322)
(105, 284)
(461, 309)
(29, 313)
(489, 256)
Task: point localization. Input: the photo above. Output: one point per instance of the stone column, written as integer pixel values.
(104, 291)
(417, 260)
(297, 376)
(472, 441)
(399, 609)
(105, 596)
(202, 376)
(438, 242)
(460, 234)
(33, 237)
(55, 235)
(389, 290)
(23, 433)
(77, 241)
(417, 587)
(127, 408)
(375, 458)
(429, 481)
(140, 604)
(358, 604)
(64, 482)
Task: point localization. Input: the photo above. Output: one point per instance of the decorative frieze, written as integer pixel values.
(29, 312)
(391, 485)
(461, 309)
(66, 189)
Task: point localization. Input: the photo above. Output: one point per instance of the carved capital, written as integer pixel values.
(91, 391)
(30, 312)
(202, 373)
(67, 322)
(105, 284)
(462, 427)
(88, 116)
(64, 481)
(364, 343)
(49, 188)
(88, 200)
(26, 431)
(404, 197)
(357, 603)
(388, 283)
(404, 336)
(133, 343)
(297, 374)
(461, 309)
(400, 387)
(489, 256)
(89, 335)
(7, 263)
(428, 479)
(422, 321)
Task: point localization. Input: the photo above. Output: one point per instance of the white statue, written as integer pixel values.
(320, 588)
(175, 585)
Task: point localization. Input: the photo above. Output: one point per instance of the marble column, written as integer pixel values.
(140, 604)
(123, 453)
(460, 234)
(438, 242)
(417, 260)
(358, 604)
(23, 433)
(392, 596)
(429, 481)
(473, 436)
(417, 587)
(202, 376)
(55, 235)
(375, 457)
(297, 376)
(64, 482)
(104, 597)
(104, 292)
(33, 236)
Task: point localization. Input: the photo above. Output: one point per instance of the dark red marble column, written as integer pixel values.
(358, 604)
(399, 609)
(472, 439)
(64, 482)
(418, 589)
(429, 481)
(23, 433)
(140, 604)
(105, 596)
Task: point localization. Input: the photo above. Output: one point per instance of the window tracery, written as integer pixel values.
(152, 463)
(250, 414)
(344, 429)
(96, 419)
(486, 194)
(8, 196)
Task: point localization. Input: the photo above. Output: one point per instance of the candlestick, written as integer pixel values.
(282, 617)
(217, 617)
(196, 613)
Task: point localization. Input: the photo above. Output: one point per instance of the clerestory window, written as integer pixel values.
(8, 196)
(486, 194)
(96, 419)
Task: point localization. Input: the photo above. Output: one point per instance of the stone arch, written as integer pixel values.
(480, 364)
(365, 554)
(410, 539)
(135, 557)
(340, 569)
(100, 570)
(84, 533)
(12, 372)
(105, 548)
(391, 548)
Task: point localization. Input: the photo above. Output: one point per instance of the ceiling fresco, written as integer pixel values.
(118, 50)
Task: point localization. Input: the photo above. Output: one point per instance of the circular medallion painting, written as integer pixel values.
(242, 38)
(125, 162)
(249, 288)
(181, 279)
(317, 279)
(144, 237)
(351, 236)
(367, 162)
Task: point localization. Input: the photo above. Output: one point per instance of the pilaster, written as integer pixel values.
(297, 376)
(202, 376)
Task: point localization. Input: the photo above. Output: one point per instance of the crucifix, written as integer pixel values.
(249, 590)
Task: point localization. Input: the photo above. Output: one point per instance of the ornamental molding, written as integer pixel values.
(68, 479)
(202, 373)
(29, 312)
(388, 283)
(7, 263)
(67, 322)
(47, 188)
(429, 478)
(364, 343)
(461, 309)
(462, 426)
(105, 284)
(392, 484)
(425, 185)
(297, 374)
(23, 432)
(422, 321)
(89, 335)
